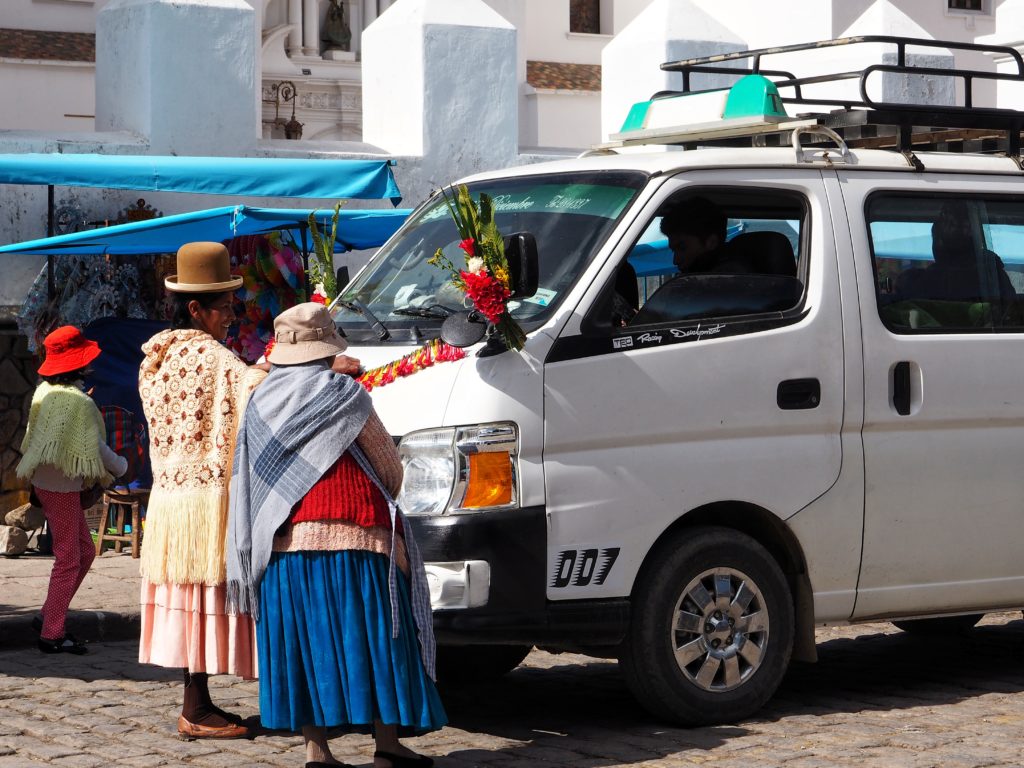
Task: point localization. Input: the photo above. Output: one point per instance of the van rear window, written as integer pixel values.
(948, 264)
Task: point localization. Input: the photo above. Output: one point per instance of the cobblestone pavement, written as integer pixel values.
(877, 698)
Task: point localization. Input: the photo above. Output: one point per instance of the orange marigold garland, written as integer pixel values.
(435, 351)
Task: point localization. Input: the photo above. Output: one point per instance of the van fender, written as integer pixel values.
(774, 535)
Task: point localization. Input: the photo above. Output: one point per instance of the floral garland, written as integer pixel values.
(485, 279)
(435, 351)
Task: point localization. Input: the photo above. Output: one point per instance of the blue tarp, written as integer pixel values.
(357, 229)
(250, 176)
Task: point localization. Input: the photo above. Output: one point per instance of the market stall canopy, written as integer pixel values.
(357, 230)
(251, 176)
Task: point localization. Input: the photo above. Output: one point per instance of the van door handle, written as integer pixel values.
(798, 394)
(901, 388)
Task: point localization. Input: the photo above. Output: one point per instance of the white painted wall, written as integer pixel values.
(439, 81)
(560, 119)
(45, 95)
(206, 103)
(57, 15)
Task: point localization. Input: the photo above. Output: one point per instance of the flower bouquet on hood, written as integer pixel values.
(485, 277)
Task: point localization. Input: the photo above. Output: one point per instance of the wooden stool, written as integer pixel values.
(117, 506)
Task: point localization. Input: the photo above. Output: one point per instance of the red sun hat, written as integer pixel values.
(67, 350)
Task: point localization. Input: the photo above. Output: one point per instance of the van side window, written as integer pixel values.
(948, 264)
(713, 253)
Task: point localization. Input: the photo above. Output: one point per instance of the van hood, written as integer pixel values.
(416, 401)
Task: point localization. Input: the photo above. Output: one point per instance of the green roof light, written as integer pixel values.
(754, 95)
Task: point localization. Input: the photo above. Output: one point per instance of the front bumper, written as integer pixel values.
(514, 609)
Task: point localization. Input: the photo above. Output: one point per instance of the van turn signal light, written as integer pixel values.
(490, 480)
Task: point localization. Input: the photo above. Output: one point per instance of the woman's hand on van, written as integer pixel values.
(346, 364)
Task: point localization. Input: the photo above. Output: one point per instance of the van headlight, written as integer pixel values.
(460, 469)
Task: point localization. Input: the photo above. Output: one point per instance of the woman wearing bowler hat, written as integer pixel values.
(193, 392)
(64, 452)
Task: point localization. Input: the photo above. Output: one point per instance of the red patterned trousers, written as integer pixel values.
(73, 553)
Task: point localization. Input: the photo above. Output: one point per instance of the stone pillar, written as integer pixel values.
(295, 34)
(888, 86)
(439, 81)
(181, 73)
(17, 383)
(369, 12)
(667, 30)
(311, 27)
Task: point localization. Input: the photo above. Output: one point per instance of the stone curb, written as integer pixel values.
(89, 626)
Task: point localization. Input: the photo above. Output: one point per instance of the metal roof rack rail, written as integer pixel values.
(866, 122)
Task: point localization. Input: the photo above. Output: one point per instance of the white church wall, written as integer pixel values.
(65, 16)
(47, 95)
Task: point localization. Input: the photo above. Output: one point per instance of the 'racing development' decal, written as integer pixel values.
(580, 567)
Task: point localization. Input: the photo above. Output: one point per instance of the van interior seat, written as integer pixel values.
(763, 253)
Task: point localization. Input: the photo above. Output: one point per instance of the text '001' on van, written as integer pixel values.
(767, 382)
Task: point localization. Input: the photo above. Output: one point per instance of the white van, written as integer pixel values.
(828, 434)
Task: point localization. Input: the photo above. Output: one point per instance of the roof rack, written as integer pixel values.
(862, 122)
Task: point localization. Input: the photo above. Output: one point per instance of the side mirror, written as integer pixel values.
(463, 329)
(524, 272)
(342, 278)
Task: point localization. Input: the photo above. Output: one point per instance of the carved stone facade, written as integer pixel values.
(328, 109)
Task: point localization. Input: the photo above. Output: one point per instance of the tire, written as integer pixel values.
(723, 674)
(940, 626)
(463, 664)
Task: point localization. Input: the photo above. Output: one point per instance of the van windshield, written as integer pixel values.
(570, 215)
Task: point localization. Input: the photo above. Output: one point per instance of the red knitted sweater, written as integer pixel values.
(345, 492)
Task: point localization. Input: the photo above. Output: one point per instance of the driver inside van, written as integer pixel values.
(696, 229)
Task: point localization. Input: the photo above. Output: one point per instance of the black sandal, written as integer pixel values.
(397, 761)
(66, 644)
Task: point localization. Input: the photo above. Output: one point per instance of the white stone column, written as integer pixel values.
(295, 19)
(310, 27)
(667, 30)
(213, 46)
(369, 12)
(439, 81)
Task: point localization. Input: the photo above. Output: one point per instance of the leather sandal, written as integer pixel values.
(398, 761)
(189, 730)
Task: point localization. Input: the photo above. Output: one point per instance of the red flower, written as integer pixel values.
(469, 246)
(487, 293)
(318, 298)
(266, 351)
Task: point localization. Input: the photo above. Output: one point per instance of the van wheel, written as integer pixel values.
(463, 664)
(942, 625)
(711, 631)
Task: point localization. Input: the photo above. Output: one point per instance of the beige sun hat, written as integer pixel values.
(203, 268)
(305, 333)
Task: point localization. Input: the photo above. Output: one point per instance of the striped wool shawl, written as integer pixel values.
(296, 426)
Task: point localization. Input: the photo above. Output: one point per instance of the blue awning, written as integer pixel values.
(357, 229)
(250, 176)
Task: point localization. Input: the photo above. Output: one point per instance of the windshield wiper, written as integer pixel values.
(355, 305)
(438, 311)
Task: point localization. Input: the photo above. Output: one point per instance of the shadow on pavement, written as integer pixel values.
(565, 708)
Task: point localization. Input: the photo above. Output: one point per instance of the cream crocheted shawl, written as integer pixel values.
(193, 391)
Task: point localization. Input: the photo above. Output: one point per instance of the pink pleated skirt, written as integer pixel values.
(186, 626)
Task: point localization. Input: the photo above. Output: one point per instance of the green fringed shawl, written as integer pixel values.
(65, 429)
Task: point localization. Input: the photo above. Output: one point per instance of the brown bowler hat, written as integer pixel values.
(203, 268)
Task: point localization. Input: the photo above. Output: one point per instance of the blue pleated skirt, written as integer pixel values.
(326, 654)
